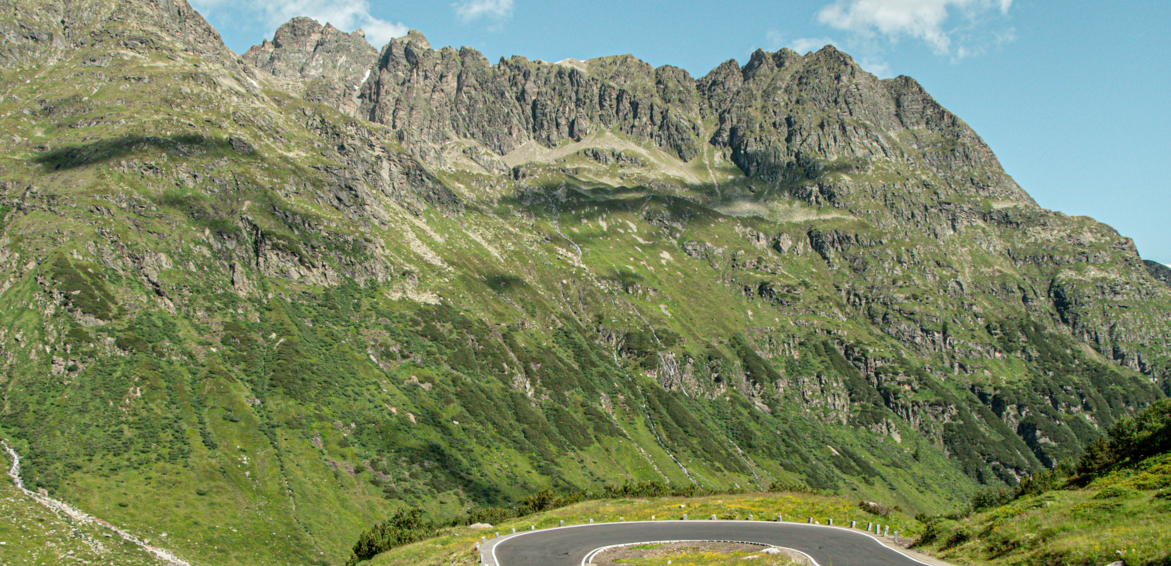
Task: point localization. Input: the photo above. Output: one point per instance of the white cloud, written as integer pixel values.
(876, 67)
(918, 19)
(470, 10)
(804, 45)
(346, 15)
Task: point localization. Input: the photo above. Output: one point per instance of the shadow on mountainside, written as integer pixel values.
(102, 151)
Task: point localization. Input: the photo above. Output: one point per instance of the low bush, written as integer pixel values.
(405, 527)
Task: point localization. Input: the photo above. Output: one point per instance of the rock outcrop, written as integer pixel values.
(330, 64)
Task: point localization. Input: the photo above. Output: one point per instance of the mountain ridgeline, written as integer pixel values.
(261, 302)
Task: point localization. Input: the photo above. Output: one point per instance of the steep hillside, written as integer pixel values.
(1112, 505)
(248, 304)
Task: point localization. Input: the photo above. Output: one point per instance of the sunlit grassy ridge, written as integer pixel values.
(1114, 505)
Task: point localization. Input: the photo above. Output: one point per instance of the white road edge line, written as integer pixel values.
(589, 557)
(502, 540)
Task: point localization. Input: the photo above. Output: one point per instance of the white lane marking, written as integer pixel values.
(501, 540)
(589, 557)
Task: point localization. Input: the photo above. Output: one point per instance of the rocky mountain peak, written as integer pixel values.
(415, 36)
(47, 31)
(321, 62)
(304, 48)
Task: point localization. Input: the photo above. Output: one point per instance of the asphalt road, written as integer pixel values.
(569, 546)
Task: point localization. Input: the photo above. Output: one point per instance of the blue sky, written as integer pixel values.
(1072, 96)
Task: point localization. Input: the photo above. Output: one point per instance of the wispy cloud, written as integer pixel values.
(930, 21)
(777, 40)
(803, 45)
(494, 10)
(346, 15)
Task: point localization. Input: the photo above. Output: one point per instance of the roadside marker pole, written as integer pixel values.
(853, 524)
(831, 522)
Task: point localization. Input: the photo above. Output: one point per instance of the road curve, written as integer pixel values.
(568, 546)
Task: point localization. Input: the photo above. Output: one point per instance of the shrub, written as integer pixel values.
(991, 496)
(490, 515)
(405, 527)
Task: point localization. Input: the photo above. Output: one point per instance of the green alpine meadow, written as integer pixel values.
(257, 309)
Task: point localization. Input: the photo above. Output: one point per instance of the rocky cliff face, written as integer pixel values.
(48, 31)
(213, 291)
(783, 118)
(331, 64)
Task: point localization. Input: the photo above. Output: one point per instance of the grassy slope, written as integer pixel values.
(1123, 516)
(31, 534)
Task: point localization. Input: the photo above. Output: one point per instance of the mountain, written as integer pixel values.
(260, 302)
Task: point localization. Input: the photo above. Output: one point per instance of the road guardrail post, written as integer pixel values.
(853, 524)
(685, 516)
(886, 532)
(896, 537)
(869, 527)
(750, 517)
(562, 523)
(811, 520)
(591, 521)
(514, 530)
(779, 519)
(831, 522)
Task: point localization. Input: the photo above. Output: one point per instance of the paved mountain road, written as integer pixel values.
(570, 546)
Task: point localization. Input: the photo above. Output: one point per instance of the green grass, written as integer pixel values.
(1102, 523)
(703, 558)
(33, 535)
